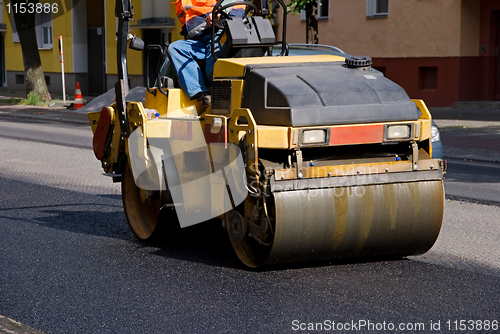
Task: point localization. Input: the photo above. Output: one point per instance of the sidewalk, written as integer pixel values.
(468, 130)
(20, 112)
(56, 111)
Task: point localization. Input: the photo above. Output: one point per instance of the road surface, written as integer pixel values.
(69, 264)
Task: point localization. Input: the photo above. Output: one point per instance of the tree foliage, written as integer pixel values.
(311, 9)
(26, 30)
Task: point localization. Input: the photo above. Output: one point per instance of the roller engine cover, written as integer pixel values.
(330, 93)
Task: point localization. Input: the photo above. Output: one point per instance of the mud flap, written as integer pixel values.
(101, 140)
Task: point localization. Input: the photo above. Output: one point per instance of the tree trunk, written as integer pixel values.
(33, 72)
(312, 22)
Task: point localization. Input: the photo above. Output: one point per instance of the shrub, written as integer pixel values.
(33, 99)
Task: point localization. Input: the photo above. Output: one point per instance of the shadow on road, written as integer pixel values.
(102, 216)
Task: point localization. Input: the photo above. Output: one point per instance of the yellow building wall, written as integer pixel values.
(413, 28)
(134, 58)
(61, 26)
(13, 53)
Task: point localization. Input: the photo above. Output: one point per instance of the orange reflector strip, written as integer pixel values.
(359, 134)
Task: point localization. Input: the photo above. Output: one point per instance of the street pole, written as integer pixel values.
(61, 59)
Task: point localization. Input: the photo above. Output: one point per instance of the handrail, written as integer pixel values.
(158, 78)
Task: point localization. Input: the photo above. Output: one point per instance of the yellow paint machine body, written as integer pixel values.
(303, 157)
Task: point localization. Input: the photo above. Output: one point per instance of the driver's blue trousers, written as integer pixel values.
(184, 54)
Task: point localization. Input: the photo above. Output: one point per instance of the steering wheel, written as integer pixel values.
(219, 11)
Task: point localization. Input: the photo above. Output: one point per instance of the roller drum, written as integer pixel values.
(373, 220)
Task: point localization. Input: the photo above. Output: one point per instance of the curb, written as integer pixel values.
(481, 105)
(8, 325)
(43, 114)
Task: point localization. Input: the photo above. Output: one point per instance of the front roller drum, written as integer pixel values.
(142, 214)
(395, 219)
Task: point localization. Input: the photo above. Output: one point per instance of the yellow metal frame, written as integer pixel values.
(426, 122)
(355, 169)
(235, 67)
(281, 137)
(176, 104)
(237, 130)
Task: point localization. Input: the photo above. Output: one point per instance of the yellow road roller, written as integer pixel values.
(302, 157)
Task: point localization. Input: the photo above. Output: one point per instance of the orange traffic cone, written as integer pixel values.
(78, 97)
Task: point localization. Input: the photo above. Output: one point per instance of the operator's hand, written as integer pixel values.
(209, 21)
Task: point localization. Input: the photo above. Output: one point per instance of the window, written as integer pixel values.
(427, 78)
(377, 8)
(15, 36)
(43, 30)
(323, 10)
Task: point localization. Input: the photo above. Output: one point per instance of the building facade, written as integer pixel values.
(3, 30)
(441, 51)
(88, 30)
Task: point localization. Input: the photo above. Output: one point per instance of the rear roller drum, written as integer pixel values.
(251, 242)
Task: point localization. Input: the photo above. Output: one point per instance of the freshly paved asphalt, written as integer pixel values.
(76, 268)
(289, 293)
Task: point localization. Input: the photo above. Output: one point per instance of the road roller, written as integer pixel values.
(303, 158)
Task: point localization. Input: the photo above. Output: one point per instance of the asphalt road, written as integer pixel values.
(473, 181)
(66, 134)
(68, 263)
(471, 114)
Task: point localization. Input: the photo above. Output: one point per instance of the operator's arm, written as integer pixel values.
(208, 20)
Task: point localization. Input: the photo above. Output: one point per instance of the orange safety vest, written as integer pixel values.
(187, 9)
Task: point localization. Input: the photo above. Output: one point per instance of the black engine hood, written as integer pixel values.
(310, 94)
